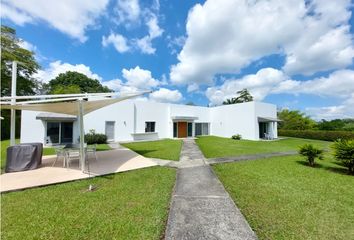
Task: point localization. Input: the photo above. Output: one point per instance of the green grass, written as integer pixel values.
(165, 149)
(283, 198)
(213, 147)
(130, 205)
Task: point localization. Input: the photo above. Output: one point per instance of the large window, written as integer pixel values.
(201, 129)
(59, 132)
(149, 126)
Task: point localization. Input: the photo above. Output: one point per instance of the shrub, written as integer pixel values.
(95, 138)
(344, 152)
(311, 153)
(319, 135)
(236, 137)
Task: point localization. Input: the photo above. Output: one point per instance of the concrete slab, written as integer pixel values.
(117, 160)
(198, 181)
(207, 218)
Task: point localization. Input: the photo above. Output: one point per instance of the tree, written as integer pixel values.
(26, 84)
(244, 96)
(311, 153)
(74, 82)
(336, 124)
(190, 103)
(11, 51)
(344, 152)
(294, 120)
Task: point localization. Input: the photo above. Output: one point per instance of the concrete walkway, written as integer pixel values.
(200, 207)
(250, 157)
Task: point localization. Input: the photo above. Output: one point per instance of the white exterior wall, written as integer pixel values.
(130, 117)
(32, 130)
(266, 110)
(228, 120)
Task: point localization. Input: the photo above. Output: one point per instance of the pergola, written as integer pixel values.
(72, 104)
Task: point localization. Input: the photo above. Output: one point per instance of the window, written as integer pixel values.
(149, 126)
(175, 129)
(201, 129)
(59, 132)
(190, 129)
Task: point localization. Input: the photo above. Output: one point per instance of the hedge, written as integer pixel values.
(319, 135)
(95, 138)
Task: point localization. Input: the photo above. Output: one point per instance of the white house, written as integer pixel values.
(132, 120)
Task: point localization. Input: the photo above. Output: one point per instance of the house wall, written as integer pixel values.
(130, 117)
(228, 120)
(265, 110)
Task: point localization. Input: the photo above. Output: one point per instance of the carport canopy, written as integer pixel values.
(77, 107)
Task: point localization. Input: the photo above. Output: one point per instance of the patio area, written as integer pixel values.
(117, 160)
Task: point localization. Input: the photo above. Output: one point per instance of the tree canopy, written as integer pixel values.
(243, 96)
(12, 51)
(295, 120)
(74, 82)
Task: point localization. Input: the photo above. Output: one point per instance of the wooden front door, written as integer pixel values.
(182, 129)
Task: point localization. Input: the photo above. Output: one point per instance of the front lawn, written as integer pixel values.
(165, 149)
(130, 205)
(213, 147)
(283, 198)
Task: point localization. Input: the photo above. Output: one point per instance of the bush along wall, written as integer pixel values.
(319, 135)
(95, 138)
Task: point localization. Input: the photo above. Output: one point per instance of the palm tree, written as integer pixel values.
(244, 96)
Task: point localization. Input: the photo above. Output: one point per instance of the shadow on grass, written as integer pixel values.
(143, 152)
(339, 170)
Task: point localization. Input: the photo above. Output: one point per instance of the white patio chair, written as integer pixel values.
(60, 152)
(72, 154)
(91, 149)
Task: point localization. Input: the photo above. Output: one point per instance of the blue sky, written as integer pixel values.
(296, 54)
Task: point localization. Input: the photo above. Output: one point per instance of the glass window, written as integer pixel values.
(149, 126)
(53, 132)
(190, 129)
(201, 129)
(66, 132)
(175, 129)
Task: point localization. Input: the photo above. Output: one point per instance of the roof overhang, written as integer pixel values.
(184, 118)
(268, 119)
(47, 116)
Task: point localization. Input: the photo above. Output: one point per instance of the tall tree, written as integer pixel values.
(26, 84)
(12, 51)
(243, 96)
(74, 82)
(295, 120)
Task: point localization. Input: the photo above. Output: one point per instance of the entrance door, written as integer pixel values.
(109, 130)
(182, 129)
(262, 129)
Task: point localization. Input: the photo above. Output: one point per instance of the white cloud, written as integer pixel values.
(128, 12)
(119, 42)
(145, 44)
(339, 84)
(139, 78)
(166, 95)
(70, 17)
(224, 36)
(57, 67)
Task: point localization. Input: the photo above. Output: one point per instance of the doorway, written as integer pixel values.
(182, 129)
(109, 130)
(263, 129)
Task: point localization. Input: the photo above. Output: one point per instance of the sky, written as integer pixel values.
(297, 54)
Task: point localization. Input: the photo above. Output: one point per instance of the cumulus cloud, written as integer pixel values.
(118, 41)
(224, 36)
(128, 12)
(70, 17)
(138, 77)
(145, 44)
(339, 84)
(166, 95)
(57, 67)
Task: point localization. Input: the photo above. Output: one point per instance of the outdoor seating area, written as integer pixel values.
(65, 167)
